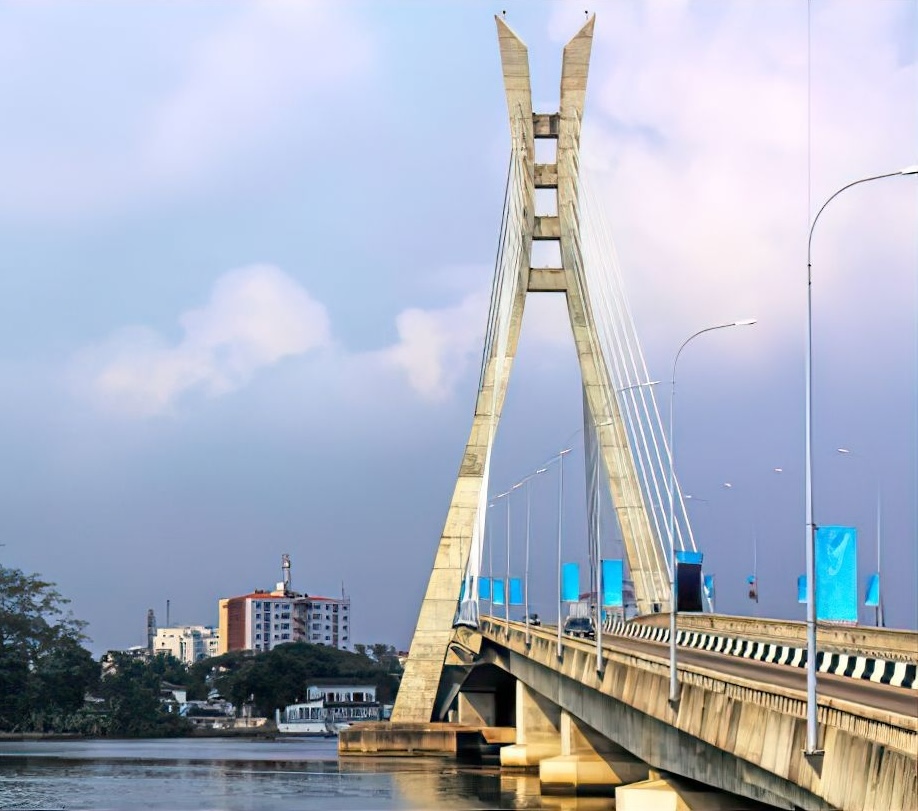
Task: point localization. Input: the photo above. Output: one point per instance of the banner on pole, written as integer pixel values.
(836, 574)
(709, 586)
(872, 597)
(688, 581)
(497, 586)
(613, 584)
(570, 582)
(516, 591)
(484, 588)
(801, 589)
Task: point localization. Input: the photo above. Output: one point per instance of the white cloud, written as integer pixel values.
(697, 128)
(247, 77)
(187, 107)
(435, 346)
(256, 316)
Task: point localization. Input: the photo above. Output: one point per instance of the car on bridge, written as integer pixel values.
(580, 626)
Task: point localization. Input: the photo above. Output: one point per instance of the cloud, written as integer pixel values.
(256, 316)
(205, 103)
(435, 346)
(247, 77)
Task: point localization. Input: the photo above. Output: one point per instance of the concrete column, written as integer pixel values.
(588, 763)
(538, 736)
(478, 709)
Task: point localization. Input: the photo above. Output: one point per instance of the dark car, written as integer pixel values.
(579, 626)
(535, 619)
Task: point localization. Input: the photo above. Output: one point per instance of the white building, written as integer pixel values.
(187, 643)
(328, 622)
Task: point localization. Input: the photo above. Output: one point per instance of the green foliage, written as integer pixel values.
(132, 696)
(273, 679)
(43, 666)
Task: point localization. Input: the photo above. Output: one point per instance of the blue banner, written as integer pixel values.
(836, 574)
(461, 589)
(801, 589)
(709, 586)
(612, 583)
(516, 591)
(484, 588)
(570, 582)
(497, 587)
(872, 597)
(688, 556)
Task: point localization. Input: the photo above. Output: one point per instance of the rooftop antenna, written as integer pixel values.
(168, 624)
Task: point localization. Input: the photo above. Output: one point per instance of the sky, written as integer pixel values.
(247, 254)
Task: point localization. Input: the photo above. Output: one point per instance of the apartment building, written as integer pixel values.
(187, 643)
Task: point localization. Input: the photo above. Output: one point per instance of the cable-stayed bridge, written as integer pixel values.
(614, 710)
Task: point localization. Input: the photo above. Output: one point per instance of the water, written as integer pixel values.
(295, 774)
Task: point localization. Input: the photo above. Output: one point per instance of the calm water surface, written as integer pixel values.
(234, 775)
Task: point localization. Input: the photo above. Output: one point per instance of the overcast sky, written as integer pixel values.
(247, 251)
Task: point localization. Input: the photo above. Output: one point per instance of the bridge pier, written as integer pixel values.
(665, 792)
(588, 763)
(538, 730)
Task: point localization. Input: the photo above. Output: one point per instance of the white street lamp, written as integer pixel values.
(810, 537)
(673, 680)
(560, 458)
(527, 480)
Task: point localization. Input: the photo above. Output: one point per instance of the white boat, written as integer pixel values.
(329, 708)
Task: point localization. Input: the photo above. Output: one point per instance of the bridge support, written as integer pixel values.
(514, 278)
(588, 763)
(668, 793)
(538, 730)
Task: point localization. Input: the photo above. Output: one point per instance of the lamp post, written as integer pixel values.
(497, 498)
(810, 537)
(673, 680)
(560, 458)
(878, 611)
(598, 551)
(527, 482)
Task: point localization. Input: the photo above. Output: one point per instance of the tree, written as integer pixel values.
(41, 655)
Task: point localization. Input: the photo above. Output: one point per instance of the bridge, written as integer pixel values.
(615, 713)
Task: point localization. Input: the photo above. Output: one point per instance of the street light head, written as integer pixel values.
(728, 485)
(842, 450)
(541, 470)
(910, 170)
(746, 322)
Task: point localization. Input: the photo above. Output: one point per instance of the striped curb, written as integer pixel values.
(880, 671)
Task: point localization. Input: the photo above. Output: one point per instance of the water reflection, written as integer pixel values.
(200, 775)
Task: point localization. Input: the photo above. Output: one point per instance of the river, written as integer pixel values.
(294, 774)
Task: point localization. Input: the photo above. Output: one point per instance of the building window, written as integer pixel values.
(258, 636)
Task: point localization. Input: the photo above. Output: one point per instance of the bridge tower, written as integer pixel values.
(425, 689)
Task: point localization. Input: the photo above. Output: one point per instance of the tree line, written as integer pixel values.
(50, 683)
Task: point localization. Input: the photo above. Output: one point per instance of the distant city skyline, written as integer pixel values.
(248, 249)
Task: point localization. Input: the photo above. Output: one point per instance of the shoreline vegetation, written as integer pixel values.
(52, 688)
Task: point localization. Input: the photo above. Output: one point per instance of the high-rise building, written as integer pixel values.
(328, 621)
(262, 620)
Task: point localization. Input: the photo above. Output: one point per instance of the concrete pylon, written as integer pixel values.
(423, 679)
